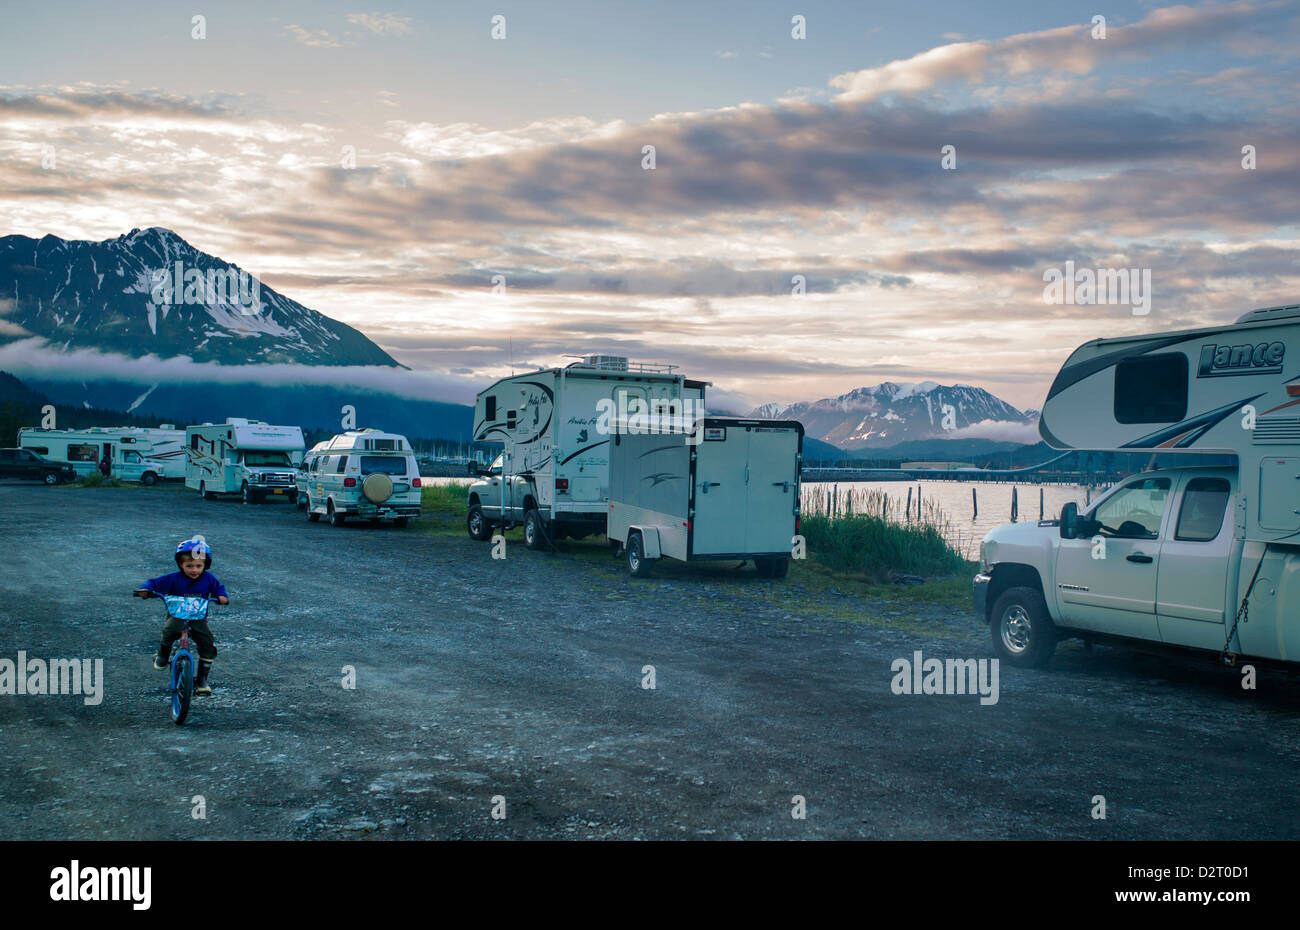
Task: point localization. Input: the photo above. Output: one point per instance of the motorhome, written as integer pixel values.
(142, 454)
(713, 488)
(1204, 558)
(552, 476)
(245, 457)
(365, 473)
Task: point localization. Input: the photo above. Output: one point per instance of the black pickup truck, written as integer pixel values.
(23, 463)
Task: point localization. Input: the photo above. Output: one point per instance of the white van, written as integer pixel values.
(245, 457)
(365, 473)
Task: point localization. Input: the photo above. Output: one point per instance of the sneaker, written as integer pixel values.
(160, 661)
(202, 687)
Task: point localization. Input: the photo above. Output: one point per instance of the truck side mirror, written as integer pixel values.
(473, 469)
(1070, 521)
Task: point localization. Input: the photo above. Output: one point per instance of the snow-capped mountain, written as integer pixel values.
(150, 292)
(891, 413)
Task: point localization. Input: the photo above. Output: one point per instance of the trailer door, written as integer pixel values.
(772, 469)
(718, 527)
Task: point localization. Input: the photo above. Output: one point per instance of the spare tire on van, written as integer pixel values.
(377, 488)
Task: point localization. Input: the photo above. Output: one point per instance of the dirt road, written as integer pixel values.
(522, 680)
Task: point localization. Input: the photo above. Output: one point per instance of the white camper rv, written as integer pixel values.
(552, 476)
(714, 488)
(363, 473)
(245, 457)
(134, 453)
(1200, 558)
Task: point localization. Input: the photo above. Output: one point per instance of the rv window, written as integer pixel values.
(40, 450)
(1151, 389)
(1135, 510)
(194, 442)
(341, 464)
(490, 408)
(131, 456)
(1204, 503)
(83, 453)
(510, 419)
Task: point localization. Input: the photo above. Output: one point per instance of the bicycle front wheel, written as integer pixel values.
(182, 688)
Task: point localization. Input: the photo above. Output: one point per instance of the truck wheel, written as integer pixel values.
(772, 568)
(1023, 633)
(250, 497)
(533, 531)
(336, 518)
(203, 491)
(312, 516)
(293, 498)
(477, 524)
(637, 563)
(50, 478)
(148, 479)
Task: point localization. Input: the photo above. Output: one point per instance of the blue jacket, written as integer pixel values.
(206, 585)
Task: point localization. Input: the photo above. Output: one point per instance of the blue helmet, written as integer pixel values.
(195, 547)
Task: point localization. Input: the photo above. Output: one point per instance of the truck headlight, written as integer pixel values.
(984, 563)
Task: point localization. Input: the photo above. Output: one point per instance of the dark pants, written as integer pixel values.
(199, 632)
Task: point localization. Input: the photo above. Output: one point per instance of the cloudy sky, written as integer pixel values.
(382, 166)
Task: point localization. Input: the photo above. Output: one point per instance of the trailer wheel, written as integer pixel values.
(772, 568)
(477, 524)
(1023, 633)
(148, 479)
(534, 533)
(637, 563)
(312, 516)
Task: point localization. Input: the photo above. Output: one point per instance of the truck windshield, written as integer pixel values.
(1134, 511)
(383, 464)
(266, 458)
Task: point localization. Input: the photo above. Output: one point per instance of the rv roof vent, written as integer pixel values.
(606, 362)
(1269, 314)
(167, 426)
(236, 421)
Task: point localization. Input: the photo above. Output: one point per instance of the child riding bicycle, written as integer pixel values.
(193, 558)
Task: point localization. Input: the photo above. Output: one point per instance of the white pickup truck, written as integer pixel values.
(1204, 558)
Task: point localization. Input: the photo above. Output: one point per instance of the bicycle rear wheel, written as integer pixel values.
(182, 688)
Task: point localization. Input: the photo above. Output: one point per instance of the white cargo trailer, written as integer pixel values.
(717, 488)
(245, 457)
(553, 474)
(135, 453)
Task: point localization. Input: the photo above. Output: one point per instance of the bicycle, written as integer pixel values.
(183, 660)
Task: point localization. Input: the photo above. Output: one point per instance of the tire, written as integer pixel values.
(401, 522)
(293, 498)
(534, 530)
(203, 491)
(312, 516)
(336, 518)
(777, 567)
(1022, 630)
(637, 564)
(476, 524)
(148, 479)
(184, 694)
(249, 495)
(50, 478)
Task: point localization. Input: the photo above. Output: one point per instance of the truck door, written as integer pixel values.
(772, 489)
(1192, 581)
(1107, 582)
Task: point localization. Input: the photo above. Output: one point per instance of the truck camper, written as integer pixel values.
(1204, 558)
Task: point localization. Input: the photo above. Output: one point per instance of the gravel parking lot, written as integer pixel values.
(522, 679)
